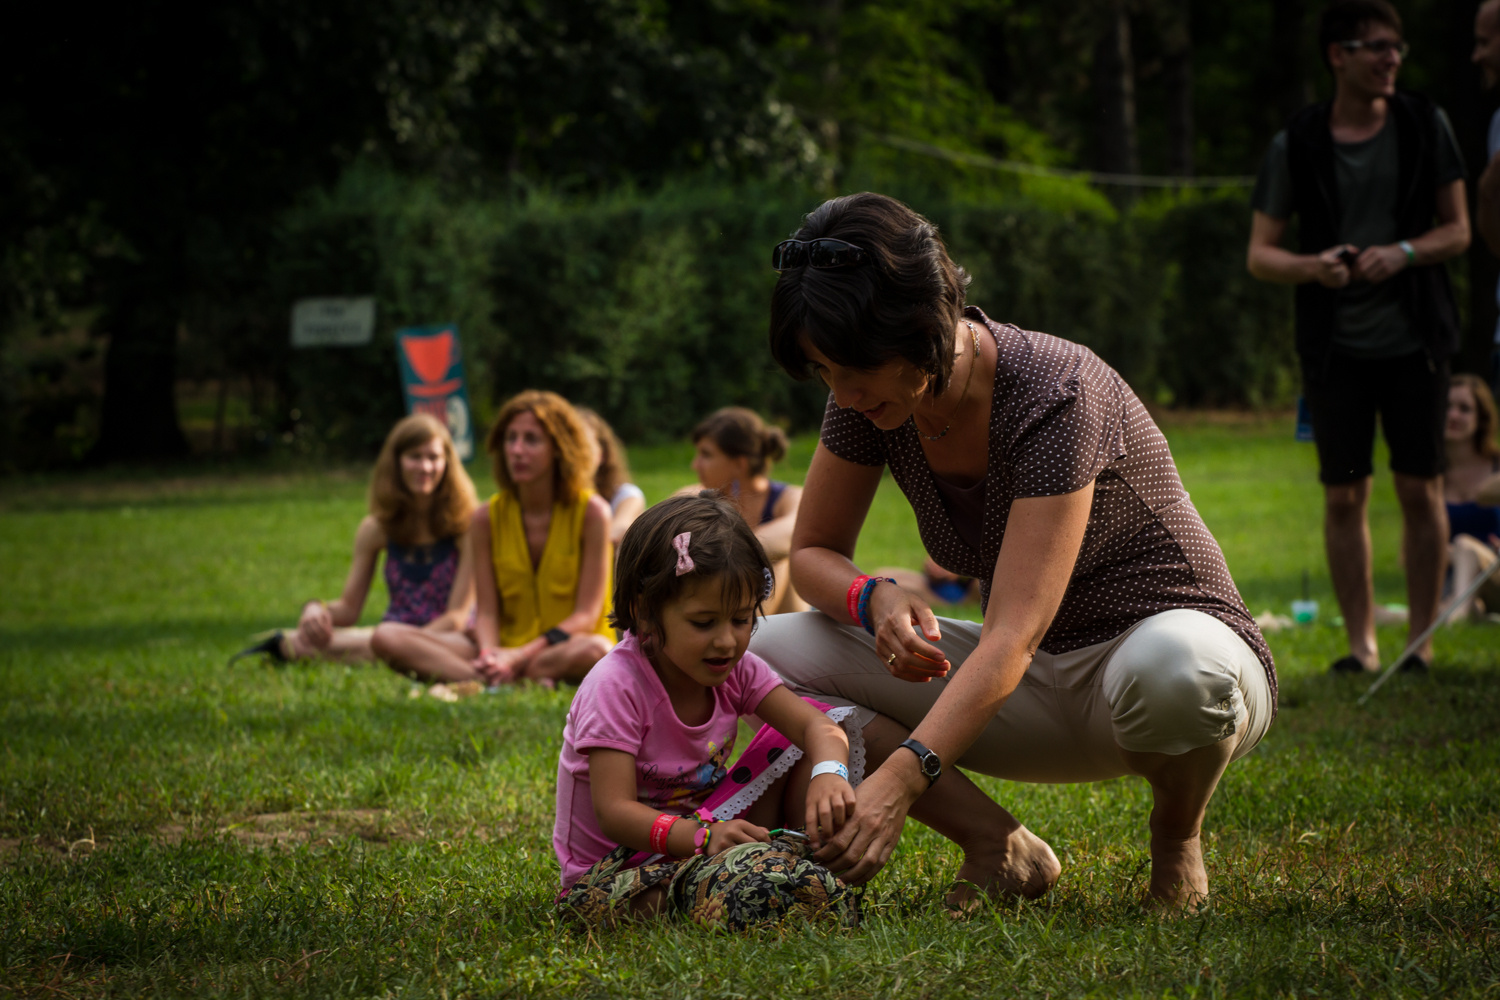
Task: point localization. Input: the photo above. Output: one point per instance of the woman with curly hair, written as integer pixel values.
(541, 553)
(420, 503)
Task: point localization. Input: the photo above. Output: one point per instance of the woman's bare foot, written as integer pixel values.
(1017, 864)
(1178, 878)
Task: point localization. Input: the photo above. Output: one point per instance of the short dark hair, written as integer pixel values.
(741, 433)
(722, 545)
(903, 304)
(1345, 20)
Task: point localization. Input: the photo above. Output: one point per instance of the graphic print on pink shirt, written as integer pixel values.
(621, 705)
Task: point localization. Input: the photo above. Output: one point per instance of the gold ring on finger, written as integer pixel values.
(890, 661)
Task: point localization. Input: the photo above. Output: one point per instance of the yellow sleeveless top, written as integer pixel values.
(533, 601)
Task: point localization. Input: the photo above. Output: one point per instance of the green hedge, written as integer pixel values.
(652, 308)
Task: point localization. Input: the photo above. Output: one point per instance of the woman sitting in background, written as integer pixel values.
(541, 554)
(1472, 488)
(734, 451)
(612, 477)
(420, 503)
(934, 584)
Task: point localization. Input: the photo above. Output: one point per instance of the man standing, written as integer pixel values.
(1376, 180)
(1487, 58)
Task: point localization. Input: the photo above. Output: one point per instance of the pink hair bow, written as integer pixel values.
(684, 561)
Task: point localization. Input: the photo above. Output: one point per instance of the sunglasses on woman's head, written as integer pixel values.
(815, 253)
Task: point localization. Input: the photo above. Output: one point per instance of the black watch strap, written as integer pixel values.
(931, 763)
(555, 636)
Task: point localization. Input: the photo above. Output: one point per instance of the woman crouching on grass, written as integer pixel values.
(420, 504)
(649, 818)
(541, 557)
(1114, 640)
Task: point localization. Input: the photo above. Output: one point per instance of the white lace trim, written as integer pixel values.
(846, 716)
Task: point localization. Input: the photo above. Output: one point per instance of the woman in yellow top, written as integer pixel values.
(541, 547)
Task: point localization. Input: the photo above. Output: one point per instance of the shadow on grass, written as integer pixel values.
(231, 634)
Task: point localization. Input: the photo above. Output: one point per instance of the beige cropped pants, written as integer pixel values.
(1173, 682)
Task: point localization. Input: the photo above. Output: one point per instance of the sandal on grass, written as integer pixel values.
(1346, 665)
(268, 646)
(1416, 664)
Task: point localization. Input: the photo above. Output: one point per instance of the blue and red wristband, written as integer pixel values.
(863, 617)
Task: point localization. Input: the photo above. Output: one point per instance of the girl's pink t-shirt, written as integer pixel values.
(621, 705)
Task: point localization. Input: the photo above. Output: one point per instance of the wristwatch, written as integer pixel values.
(931, 764)
(555, 636)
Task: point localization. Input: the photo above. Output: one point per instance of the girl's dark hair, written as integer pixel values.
(739, 432)
(902, 304)
(1343, 20)
(722, 545)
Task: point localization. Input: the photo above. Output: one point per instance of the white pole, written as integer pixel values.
(1461, 601)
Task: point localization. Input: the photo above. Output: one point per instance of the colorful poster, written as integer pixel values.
(432, 377)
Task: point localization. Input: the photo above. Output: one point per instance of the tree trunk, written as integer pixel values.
(1177, 75)
(1291, 89)
(827, 15)
(1114, 93)
(138, 421)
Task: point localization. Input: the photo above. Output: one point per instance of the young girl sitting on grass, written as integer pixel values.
(649, 818)
(420, 503)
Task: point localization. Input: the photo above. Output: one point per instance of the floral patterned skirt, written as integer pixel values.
(745, 886)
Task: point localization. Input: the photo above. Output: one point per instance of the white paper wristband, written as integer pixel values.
(830, 767)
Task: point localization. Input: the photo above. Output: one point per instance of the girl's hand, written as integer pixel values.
(897, 615)
(315, 627)
(865, 843)
(736, 831)
(830, 804)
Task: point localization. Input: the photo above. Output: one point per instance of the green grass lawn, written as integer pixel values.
(173, 826)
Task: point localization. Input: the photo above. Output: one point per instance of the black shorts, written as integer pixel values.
(1409, 393)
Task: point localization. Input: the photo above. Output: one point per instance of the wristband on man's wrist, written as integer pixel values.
(1409, 250)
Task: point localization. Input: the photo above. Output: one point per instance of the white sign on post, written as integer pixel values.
(333, 322)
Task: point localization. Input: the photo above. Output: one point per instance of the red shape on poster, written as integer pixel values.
(430, 357)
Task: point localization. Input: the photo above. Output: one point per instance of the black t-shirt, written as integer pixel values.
(1371, 321)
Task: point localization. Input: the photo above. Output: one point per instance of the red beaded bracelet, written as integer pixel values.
(851, 599)
(661, 828)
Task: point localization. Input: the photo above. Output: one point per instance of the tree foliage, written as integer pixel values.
(154, 158)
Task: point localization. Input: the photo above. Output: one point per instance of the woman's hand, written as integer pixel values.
(830, 804)
(315, 627)
(897, 616)
(499, 664)
(865, 843)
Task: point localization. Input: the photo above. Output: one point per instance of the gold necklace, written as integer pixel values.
(973, 362)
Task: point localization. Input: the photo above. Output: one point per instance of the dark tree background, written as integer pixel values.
(147, 151)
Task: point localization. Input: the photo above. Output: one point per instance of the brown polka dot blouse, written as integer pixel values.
(1060, 419)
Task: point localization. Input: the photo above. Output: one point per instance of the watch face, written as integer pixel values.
(931, 766)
